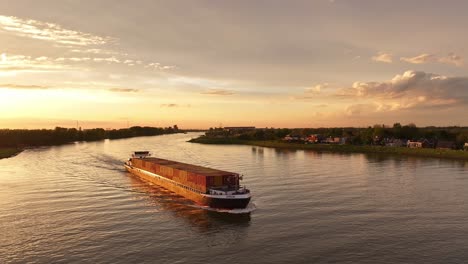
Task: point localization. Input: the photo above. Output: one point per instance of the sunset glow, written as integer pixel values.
(201, 64)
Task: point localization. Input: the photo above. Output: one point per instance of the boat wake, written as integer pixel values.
(250, 208)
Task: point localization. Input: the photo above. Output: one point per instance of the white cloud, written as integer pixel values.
(109, 59)
(383, 57)
(155, 65)
(358, 109)
(411, 89)
(49, 32)
(451, 58)
(317, 88)
(97, 51)
(420, 59)
(218, 92)
(28, 63)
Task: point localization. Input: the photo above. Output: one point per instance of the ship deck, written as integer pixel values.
(188, 167)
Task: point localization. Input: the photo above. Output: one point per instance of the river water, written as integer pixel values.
(75, 204)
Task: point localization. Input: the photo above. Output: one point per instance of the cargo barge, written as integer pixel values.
(205, 186)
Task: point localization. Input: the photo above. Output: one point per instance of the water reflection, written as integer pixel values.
(411, 160)
(74, 202)
(257, 150)
(285, 153)
(169, 202)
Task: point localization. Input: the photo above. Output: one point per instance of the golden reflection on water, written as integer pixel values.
(163, 200)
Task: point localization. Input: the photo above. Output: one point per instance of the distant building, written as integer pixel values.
(441, 144)
(313, 138)
(422, 143)
(332, 140)
(238, 130)
(414, 144)
(294, 137)
(241, 128)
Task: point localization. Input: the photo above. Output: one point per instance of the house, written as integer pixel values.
(422, 143)
(315, 138)
(294, 137)
(442, 144)
(414, 144)
(331, 140)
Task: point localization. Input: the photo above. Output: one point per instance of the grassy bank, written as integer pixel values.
(432, 153)
(8, 152)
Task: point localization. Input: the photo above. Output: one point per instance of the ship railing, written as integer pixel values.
(222, 191)
(141, 154)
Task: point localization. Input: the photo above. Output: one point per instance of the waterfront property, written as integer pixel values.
(422, 143)
(414, 144)
(444, 144)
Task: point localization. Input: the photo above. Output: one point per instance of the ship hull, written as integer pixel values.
(213, 201)
(228, 203)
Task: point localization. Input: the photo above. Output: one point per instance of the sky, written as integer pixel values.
(201, 64)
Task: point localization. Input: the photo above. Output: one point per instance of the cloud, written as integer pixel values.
(316, 89)
(218, 92)
(123, 90)
(383, 57)
(410, 89)
(22, 86)
(311, 92)
(451, 58)
(96, 51)
(420, 59)
(154, 65)
(358, 109)
(175, 105)
(28, 63)
(49, 31)
(169, 105)
(77, 43)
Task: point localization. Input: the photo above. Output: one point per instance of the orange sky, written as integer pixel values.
(204, 64)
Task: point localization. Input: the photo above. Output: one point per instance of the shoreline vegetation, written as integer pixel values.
(9, 152)
(13, 141)
(422, 152)
(360, 140)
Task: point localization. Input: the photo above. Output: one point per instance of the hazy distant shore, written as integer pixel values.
(13, 141)
(420, 152)
(9, 152)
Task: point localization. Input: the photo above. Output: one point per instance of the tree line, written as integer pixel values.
(359, 136)
(18, 138)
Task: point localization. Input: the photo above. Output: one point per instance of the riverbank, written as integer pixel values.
(9, 152)
(420, 152)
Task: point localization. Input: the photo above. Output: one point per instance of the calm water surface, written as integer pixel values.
(75, 204)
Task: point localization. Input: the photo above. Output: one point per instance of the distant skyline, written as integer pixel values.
(199, 64)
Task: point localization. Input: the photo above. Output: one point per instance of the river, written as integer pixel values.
(75, 203)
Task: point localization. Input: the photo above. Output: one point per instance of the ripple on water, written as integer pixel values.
(75, 204)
